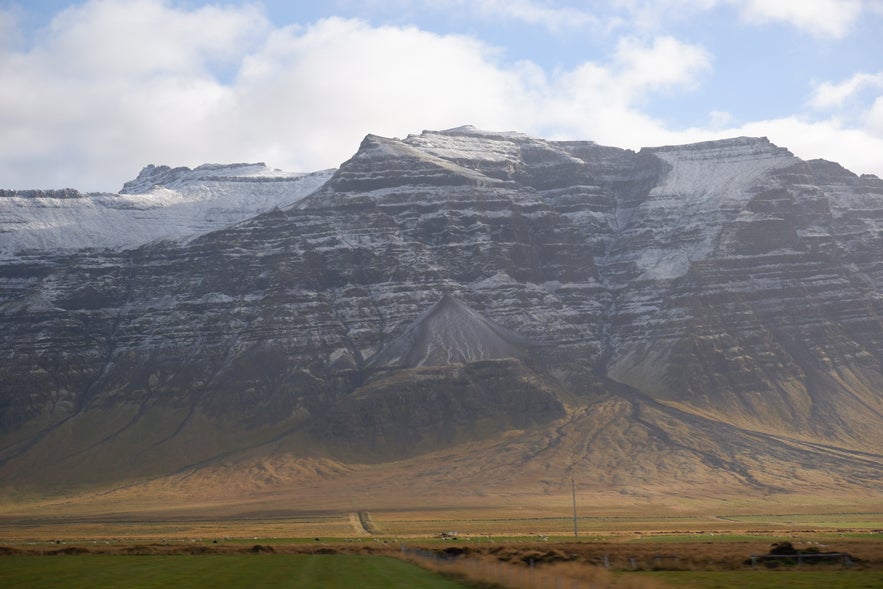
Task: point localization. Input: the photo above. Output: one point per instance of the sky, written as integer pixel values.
(92, 91)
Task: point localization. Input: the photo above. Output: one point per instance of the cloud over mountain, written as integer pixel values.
(105, 85)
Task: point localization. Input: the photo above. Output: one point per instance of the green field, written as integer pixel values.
(229, 571)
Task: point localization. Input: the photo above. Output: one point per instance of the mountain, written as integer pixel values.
(160, 204)
(690, 318)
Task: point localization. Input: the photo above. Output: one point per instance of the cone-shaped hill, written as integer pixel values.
(451, 332)
(452, 376)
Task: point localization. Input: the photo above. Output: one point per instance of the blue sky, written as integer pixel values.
(91, 91)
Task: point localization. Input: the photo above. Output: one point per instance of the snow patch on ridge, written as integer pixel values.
(715, 172)
(468, 144)
(703, 182)
(188, 203)
(152, 176)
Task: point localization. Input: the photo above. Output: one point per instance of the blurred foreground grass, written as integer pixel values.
(769, 579)
(231, 571)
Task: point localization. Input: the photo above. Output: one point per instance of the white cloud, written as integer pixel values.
(143, 37)
(340, 79)
(664, 64)
(9, 30)
(824, 18)
(111, 86)
(853, 131)
(654, 15)
(602, 101)
(874, 118)
(551, 15)
(718, 119)
(857, 149)
(309, 92)
(831, 95)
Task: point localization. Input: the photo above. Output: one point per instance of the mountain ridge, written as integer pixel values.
(161, 204)
(714, 296)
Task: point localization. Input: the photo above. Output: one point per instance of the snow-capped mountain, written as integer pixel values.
(161, 203)
(693, 313)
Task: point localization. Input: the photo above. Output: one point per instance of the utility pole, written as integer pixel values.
(575, 528)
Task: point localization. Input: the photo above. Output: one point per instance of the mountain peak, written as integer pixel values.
(475, 131)
(450, 332)
(383, 163)
(728, 148)
(152, 176)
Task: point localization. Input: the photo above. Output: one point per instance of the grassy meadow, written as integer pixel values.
(301, 571)
(515, 543)
(616, 562)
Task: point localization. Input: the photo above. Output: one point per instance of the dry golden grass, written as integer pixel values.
(304, 514)
(518, 484)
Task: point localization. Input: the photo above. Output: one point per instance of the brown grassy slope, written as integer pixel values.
(624, 455)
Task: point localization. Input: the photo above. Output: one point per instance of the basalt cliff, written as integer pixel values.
(687, 318)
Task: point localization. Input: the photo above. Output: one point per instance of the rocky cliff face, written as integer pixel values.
(718, 287)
